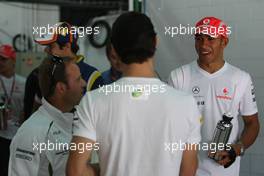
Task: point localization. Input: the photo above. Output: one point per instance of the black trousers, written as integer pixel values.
(4, 156)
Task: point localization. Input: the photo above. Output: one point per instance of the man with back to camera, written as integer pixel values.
(132, 126)
(219, 88)
(31, 149)
(12, 88)
(62, 42)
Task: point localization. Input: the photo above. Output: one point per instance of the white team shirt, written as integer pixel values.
(16, 103)
(132, 128)
(47, 126)
(214, 94)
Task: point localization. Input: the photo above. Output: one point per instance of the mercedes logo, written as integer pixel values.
(195, 89)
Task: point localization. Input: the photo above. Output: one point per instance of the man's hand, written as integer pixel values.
(226, 157)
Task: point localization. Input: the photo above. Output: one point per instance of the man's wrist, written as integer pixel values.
(239, 148)
(242, 148)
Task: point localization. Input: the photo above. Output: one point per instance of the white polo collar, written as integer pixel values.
(64, 120)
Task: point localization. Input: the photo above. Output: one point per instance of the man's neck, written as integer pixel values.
(114, 74)
(145, 69)
(59, 104)
(211, 67)
(8, 74)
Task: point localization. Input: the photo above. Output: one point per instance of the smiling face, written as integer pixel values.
(210, 50)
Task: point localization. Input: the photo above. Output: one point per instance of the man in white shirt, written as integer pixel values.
(41, 145)
(12, 88)
(219, 88)
(136, 121)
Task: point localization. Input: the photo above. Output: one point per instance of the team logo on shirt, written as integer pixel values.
(139, 94)
(195, 89)
(225, 91)
(225, 94)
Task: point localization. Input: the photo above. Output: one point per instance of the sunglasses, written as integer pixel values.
(57, 61)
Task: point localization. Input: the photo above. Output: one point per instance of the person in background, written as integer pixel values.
(219, 88)
(32, 98)
(12, 88)
(113, 73)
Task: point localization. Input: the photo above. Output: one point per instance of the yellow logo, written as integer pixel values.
(201, 120)
(136, 94)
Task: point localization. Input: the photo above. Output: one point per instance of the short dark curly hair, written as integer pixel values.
(133, 37)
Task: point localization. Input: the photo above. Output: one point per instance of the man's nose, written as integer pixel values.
(204, 42)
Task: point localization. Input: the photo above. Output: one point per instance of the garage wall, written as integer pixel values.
(245, 49)
(18, 18)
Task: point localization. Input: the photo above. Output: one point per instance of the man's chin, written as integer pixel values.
(206, 59)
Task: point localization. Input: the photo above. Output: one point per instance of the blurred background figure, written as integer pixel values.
(114, 73)
(11, 100)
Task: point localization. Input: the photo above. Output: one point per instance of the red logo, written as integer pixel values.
(225, 91)
(225, 96)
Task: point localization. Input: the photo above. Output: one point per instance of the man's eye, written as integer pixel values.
(211, 38)
(198, 38)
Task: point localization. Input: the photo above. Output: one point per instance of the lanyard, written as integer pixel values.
(8, 98)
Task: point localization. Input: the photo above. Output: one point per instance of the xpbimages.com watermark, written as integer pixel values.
(39, 31)
(135, 90)
(210, 147)
(64, 147)
(173, 31)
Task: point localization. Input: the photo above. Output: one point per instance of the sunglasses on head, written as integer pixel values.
(56, 61)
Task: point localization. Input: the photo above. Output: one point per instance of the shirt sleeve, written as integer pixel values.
(97, 83)
(171, 80)
(248, 104)
(24, 157)
(85, 126)
(195, 120)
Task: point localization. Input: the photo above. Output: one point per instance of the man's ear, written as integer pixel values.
(156, 41)
(225, 42)
(114, 54)
(60, 88)
(117, 59)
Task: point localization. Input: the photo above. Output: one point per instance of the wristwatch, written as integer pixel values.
(242, 148)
